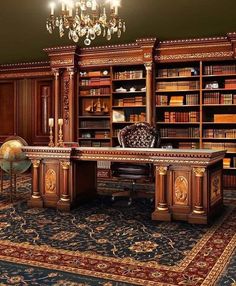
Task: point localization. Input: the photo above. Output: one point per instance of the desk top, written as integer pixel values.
(138, 155)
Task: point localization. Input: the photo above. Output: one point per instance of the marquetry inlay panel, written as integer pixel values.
(215, 187)
(50, 181)
(181, 191)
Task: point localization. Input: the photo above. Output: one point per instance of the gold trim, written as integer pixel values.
(199, 172)
(194, 56)
(65, 165)
(193, 47)
(162, 170)
(35, 163)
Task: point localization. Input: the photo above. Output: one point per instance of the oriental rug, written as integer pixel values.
(100, 243)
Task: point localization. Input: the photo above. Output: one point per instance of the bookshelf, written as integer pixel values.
(94, 107)
(196, 107)
(128, 97)
(219, 109)
(177, 92)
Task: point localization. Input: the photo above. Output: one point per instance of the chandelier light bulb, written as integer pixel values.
(86, 18)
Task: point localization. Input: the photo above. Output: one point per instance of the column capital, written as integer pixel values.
(35, 163)
(162, 170)
(199, 172)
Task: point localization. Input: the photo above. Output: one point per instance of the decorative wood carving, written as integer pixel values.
(50, 182)
(215, 187)
(181, 191)
(66, 109)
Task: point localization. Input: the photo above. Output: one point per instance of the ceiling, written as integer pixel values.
(23, 33)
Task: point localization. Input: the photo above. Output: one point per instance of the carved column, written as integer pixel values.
(149, 93)
(68, 105)
(56, 106)
(45, 97)
(198, 207)
(161, 207)
(64, 202)
(36, 199)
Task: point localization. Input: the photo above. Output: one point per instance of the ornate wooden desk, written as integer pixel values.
(188, 183)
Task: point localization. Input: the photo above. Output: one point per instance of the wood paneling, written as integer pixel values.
(7, 109)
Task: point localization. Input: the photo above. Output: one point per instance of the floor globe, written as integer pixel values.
(12, 159)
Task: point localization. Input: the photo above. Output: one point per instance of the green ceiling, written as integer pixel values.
(23, 34)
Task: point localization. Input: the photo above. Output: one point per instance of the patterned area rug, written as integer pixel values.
(105, 244)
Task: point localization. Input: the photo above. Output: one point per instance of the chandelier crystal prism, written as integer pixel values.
(86, 19)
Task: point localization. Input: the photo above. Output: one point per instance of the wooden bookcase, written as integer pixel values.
(94, 107)
(186, 87)
(178, 105)
(128, 97)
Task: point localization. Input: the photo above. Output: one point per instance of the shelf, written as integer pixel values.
(123, 122)
(97, 95)
(94, 128)
(128, 92)
(230, 168)
(219, 75)
(177, 77)
(131, 106)
(218, 123)
(94, 139)
(218, 105)
(177, 106)
(130, 79)
(217, 89)
(178, 138)
(218, 139)
(179, 123)
(177, 91)
(94, 117)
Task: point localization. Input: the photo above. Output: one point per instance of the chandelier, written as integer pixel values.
(86, 19)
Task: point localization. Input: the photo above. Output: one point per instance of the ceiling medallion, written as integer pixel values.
(86, 19)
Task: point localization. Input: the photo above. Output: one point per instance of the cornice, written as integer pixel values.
(194, 40)
(25, 66)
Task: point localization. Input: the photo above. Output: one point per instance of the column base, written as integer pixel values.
(161, 215)
(64, 205)
(198, 218)
(35, 202)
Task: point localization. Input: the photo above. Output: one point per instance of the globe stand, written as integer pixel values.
(12, 182)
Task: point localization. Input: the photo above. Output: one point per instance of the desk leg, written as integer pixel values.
(35, 199)
(161, 208)
(198, 215)
(64, 202)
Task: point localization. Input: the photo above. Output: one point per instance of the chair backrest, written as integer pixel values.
(139, 135)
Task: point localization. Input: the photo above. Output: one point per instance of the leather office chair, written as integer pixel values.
(138, 135)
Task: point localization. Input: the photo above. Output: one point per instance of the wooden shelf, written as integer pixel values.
(177, 91)
(177, 106)
(177, 77)
(130, 79)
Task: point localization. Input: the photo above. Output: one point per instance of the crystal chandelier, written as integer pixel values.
(86, 18)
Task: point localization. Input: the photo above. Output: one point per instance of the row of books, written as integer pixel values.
(90, 143)
(229, 162)
(188, 145)
(135, 74)
(219, 69)
(130, 101)
(192, 116)
(230, 83)
(96, 91)
(218, 98)
(177, 85)
(220, 146)
(219, 133)
(175, 72)
(229, 181)
(137, 117)
(95, 81)
(188, 99)
(94, 124)
(191, 132)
